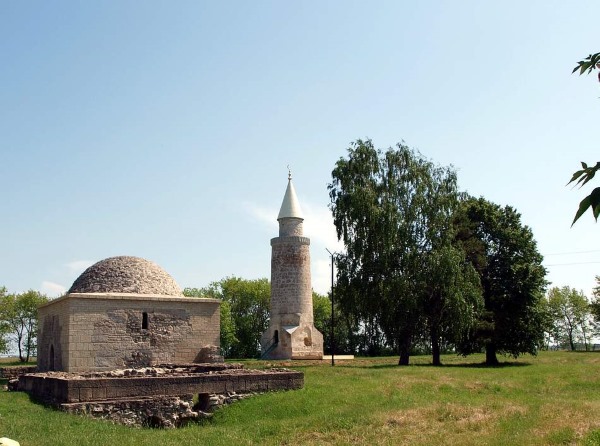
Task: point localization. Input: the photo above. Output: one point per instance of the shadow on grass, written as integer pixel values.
(466, 365)
(583, 351)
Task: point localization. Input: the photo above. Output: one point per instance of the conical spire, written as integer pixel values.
(290, 208)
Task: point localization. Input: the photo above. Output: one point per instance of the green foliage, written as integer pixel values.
(4, 326)
(343, 334)
(592, 201)
(504, 254)
(244, 313)
(453, 296)
(545, 400)
(227, 332)
(19, 320)
(321, 312)
(570, 311)
(393, 211)
(595, 307)
(588, 64)
(581, 177)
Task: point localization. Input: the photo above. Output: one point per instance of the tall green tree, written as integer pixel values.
(392, 209)
(18, 313)
(244, 313)
(570, 312)
(4, 327)
(595, 307)
(504, 254)
(453, 297)
(342, 330)
(322, 316)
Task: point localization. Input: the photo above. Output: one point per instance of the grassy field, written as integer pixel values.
(550, 399)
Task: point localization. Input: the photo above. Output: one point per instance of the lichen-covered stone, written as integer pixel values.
(126, 274)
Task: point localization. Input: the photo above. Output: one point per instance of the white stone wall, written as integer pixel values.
(53, 335)
(290, 227)
(105, 331)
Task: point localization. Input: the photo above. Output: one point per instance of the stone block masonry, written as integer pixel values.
(103, 331)
(160, 395)
(58, 388)
(14, 372)
(291, 333)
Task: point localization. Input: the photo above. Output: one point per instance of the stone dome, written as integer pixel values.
(125, 274)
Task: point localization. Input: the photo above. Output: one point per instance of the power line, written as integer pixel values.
(573, 263)
(572, 252)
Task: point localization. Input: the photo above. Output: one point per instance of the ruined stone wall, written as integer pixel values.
(111, 331)
(163, 411)
(307, 343)
(53, 335)
(61, 389)
(15, 372)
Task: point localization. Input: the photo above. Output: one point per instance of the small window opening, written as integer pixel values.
(144, 321)
(276, 337)
(203, 403)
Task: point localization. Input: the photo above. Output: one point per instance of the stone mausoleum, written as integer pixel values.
(126, 312)
(291, 333)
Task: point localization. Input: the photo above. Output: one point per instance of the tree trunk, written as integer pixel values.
(28, 349)
(404, 346)
(490, 354)
(585, 340)
(435, 347)
(20, 346)
(572, 343)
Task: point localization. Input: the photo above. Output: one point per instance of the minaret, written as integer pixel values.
(291, 333)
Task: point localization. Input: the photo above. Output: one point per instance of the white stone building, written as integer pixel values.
(126, 312)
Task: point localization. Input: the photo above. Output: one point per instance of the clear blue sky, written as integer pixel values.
(163, 129)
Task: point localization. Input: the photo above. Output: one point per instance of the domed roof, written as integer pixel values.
(125, 274)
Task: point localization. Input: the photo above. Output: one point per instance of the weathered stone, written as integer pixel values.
(291, 333)
(158, 412)
(162, 399)
(209, 353)
(15, 372)
(126, 274)
(230, 380)
(99, 332)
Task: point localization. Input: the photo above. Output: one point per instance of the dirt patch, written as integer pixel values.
(577, 416)
(458, 417)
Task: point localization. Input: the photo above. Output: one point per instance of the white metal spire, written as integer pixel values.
(290, 208)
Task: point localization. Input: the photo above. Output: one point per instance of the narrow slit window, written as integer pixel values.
(144, 321)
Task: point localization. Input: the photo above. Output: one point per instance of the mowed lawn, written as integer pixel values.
(553, 398)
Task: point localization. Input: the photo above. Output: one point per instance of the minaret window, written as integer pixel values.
(144, 321)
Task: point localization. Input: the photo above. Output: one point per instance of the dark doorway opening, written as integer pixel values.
(51, 365)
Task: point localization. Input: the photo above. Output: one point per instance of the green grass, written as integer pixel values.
(552, 399)
(12, 361)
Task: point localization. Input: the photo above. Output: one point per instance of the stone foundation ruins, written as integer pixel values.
(124, 344)
(160, 396)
